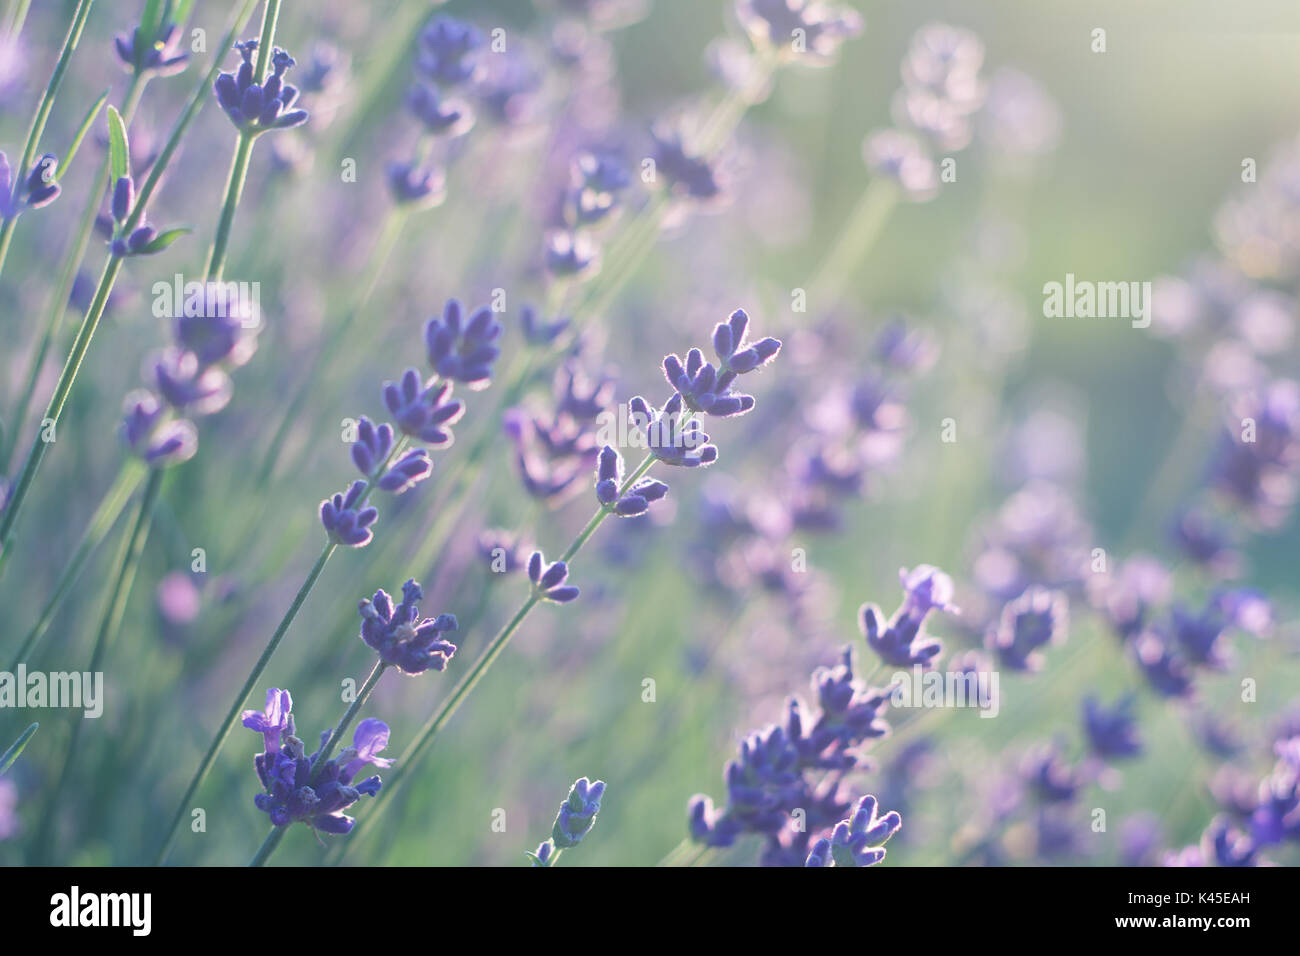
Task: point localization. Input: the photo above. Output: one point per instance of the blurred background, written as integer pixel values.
(1070, 434)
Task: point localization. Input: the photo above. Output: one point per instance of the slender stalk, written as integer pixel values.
(234, 190)
(467, 684)
(9, 756)
(42, 115)
(68, 275)
(15, 18)
(277, 833)
(859, 232)
(110, 623)
(111, 268)
(106, 514)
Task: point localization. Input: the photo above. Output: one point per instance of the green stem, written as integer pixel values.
(105, 516)
(68, 275)
(110, 623)
(277, 833)
(234, 190)
(228, 722)
(42, 115)
(467, 684)
(9, 756)
(859, 232)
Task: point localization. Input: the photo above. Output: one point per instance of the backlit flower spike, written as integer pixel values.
(217, 329)
(570, 253)
(463, 348)
(274, 719)
(548, 579)
(689, 176)
(733, 354)
(597, 180)
(683, 446)
(901, 642)
(542, 855)
(439, 115)
(426, 413)
(186, 385)
(346, 520)
(578, 813)
(1165, 671)
(399, 635)
(538, 331)
(609, 479)
(858, 840)
(163, 54)
(372, 446)
(413, 467)
(257, 108)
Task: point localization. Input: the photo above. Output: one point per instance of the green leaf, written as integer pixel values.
(10, 755)
(119, 147)
(81, 134)
(163, 240)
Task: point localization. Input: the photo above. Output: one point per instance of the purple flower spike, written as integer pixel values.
(187, 386)
(463, 349)
(345, 520)
(1034, 620)
(549, 579)
(370, 737)
(400, 637)
(408, 471)
(371, 449)
(901, 641)
(450, 51)
(271, 721)
(1166, 672)
(423, 413)
(1112, 733)
(153, 437)
(160, 55)
(858, 840)
(537, 331)
(733, 354)
(439, 116)
(258, 108)
(570, 253)
(578, 813)
(38, 188)
(415, 188)
(609, 479)
(683, 446)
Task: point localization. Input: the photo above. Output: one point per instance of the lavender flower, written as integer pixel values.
(293, 793)
(859, 840)
(683, 446)
(902, 159)
(450, 52)
(1034, 620)
(596, 182)
(400, 637)
(157, 440)
(570, 253)
(901, 642)
(1050, 777)
(36, 190)
(539, 332)
(163, 54)
(689, 176)
(548, 579)
(1164, 670)
(346, 519)
(463, 349)
(274, 719)
(371, 452)
(609, 479)
(186, 385)
(423, 412)
(439, 115)
(414, 187)
(578, 813)
(1112, 733)
(259, 107)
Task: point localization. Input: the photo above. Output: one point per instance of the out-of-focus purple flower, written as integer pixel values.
(271, 721)
(537, 330)
(1207, 542)
(1257, 461)
(442, 116)
(900, 641)
(8, 804)
(1051, 778)
(504, 551)
(153, 437)
(450, 52)
(1036, 619)
(38, 188)
(1198, 636)
(463, 348)
(1166, 672)
(578, 813)
(570, 253)
(904, 347)
(1019, 120)
(186, 385)
(258, 107)
(346, 519)
(804, 31)
(1276, 817)
(596, 183)
(217, 325)
(400, 637)
(859, 840)
(1139, 840)
(415, 187)
(548, 579)
(688, 175)
(1127, 596)
(163, 54)
(178, 599)
(510, 86)
(1223, 844)
(902, 159)
(609, 479)
(1112, 732)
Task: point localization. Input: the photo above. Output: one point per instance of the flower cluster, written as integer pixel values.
(609, 480)
(548, 579)
(553, 451)
(212, 332)
(38, 188)
(400, 637)
(708, 389)
(858, 840)
(591, 199)
(1036, 619)
(463, 349)
(901, 641)
(256, 107)
(294, 788)
(805, 31)
(162, 54)
(574, 821)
